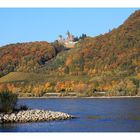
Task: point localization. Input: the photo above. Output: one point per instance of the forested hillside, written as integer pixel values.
(27, 57)
(117, 51)
(109, 62)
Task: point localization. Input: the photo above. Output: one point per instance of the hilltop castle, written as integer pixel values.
(68, 41)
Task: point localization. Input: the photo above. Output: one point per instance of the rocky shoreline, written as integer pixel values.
(33, 116)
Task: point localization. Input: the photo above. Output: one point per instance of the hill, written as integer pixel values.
(117, 51)
(26, 57)
(107, 59)
(109, 62)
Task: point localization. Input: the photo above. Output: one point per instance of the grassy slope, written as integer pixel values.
(35, 77)
(21, 76)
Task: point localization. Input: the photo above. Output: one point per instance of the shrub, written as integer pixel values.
(8, 101)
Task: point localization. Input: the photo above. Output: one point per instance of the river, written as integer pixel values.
(93, 115)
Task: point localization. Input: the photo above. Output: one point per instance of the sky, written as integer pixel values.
(45, 24)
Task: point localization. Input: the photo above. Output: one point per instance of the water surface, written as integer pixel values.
(94, 115)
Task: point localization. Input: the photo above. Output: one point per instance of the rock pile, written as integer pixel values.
(33, 116)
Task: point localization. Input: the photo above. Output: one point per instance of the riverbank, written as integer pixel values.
(75, 97)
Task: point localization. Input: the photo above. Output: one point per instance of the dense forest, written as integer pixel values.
(109, 63)
(27, 57)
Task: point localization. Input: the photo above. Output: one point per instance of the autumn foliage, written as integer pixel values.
(108, 63)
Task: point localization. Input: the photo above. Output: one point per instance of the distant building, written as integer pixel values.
(69, 38)
(68, 41)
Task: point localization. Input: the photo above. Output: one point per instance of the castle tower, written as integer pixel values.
(68, 35)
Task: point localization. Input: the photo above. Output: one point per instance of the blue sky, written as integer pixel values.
(38, 24)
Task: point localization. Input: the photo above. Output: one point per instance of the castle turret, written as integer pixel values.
(69, 37)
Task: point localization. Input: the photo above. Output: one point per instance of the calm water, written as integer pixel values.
(94, 115)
